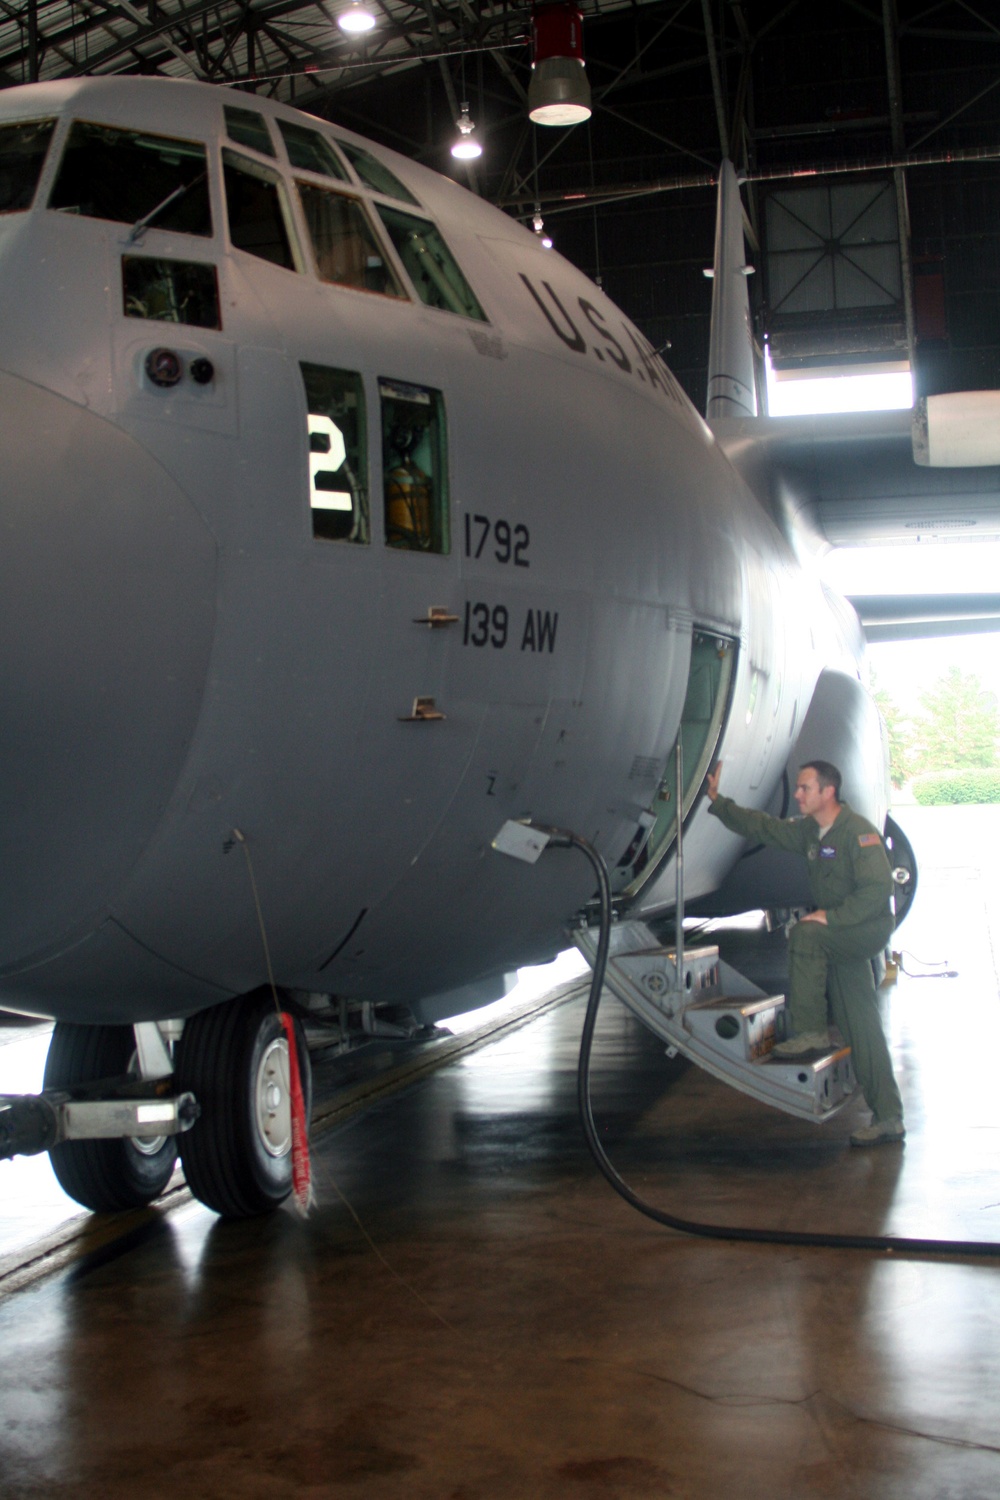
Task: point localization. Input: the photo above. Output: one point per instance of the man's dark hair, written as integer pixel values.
(826, 775)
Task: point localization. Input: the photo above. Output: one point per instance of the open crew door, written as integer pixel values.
(713, 661)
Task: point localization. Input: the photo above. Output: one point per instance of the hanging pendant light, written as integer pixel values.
(465, 148)
(558, 93)
(356, 19)
(538, 225)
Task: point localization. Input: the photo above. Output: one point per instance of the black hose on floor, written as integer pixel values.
(561, 838)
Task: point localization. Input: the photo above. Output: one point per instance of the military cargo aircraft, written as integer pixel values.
(342, 523)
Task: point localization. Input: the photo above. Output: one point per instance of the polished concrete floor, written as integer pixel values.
(471, 1314)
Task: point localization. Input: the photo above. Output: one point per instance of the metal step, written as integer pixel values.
(718, 1019)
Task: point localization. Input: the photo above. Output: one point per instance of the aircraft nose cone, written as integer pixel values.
(107, 598)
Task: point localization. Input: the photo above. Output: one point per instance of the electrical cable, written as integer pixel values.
(941, 965)
(564, 839)
(925, 963)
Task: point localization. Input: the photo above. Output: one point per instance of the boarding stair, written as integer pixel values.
(706, 1010)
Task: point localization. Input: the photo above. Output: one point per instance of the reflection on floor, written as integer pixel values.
(507, 1328)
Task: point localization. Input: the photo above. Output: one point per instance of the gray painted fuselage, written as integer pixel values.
(182, 657)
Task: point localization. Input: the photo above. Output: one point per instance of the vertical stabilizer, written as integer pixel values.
(731, 388)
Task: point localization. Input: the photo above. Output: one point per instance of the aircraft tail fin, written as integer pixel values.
(731, 386)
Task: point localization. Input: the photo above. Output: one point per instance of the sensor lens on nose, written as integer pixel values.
(202, 371)
(164, 367)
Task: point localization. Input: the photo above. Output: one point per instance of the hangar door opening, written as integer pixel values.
(713, 658)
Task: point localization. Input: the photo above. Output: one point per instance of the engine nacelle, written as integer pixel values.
(960, 430)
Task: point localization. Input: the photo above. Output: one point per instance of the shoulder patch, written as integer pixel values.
(868, 840)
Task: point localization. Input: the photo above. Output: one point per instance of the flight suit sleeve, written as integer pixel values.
(780, 833)
(872, 884)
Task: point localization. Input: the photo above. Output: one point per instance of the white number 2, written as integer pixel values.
(327, 452)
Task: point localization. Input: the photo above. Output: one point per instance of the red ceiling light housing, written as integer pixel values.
(558, 93)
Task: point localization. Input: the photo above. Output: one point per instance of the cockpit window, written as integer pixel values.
(249, 128)
(311, 152)
(414, 468)
(258, 212)
(22, 155)
(374, 175)
(152, 181)
(346, 248)
(170, 291)
(430, 264)
(338, 464)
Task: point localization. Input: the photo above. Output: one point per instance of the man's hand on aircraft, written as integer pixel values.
(712, 781)
(816, 916)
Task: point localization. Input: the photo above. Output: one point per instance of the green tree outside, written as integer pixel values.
(958, 726)
(899, 732)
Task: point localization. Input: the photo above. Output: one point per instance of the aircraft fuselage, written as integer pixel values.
(397, 556)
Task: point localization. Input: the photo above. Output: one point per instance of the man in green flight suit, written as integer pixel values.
(830, 949)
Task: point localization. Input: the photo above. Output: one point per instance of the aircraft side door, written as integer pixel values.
(710, 679)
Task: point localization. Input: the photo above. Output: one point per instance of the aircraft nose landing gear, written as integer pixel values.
(234, 1059)
(116, 1111)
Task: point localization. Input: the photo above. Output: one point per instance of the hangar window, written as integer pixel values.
(22, 155)
(311, 152)
(149, 181)
(170, 291)
(374, 175)
(258, 211)
(344, 243)
(338, 483)
(414, 468)
(249, 128)
(430, 265)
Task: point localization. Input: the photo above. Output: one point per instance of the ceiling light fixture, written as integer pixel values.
(465, 148)
(356, 19)
(538, 225)
(558, 93)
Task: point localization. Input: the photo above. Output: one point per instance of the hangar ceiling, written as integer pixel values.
(890, 110)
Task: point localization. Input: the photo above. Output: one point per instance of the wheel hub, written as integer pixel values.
(146, 1145)
(272, 1099)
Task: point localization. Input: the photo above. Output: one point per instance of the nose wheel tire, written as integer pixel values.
(104, 1175)
(234, 1058)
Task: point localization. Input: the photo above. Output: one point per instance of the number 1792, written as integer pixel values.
(507, 543)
